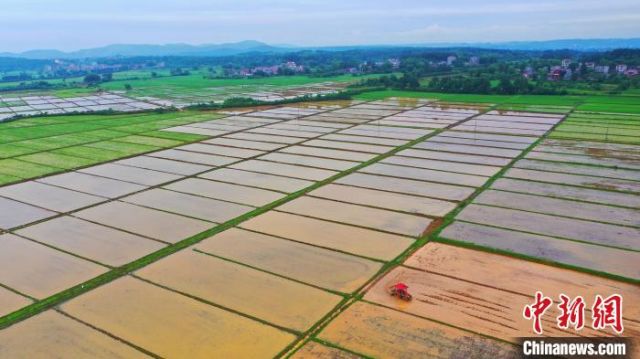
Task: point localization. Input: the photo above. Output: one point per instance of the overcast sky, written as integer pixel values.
(76, 24)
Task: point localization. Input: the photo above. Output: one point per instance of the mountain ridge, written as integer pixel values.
(246, 46)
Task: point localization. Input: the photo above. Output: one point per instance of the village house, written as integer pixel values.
(621, 68)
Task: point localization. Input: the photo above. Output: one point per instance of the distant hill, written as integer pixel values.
(241, 47)
(152, 50)
(568, 44)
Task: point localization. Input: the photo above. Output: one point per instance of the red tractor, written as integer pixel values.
(400, 290)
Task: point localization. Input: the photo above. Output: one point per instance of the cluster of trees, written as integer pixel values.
(506, 85)
(178, 71)
(95, 79)
(36, 85)
(406, 81)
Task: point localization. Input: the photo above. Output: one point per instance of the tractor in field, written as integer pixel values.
(400, 290)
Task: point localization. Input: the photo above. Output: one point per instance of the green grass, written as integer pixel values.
(56, 160)
(596, 103)
(610, 107)
(5, 179)
(96, 154)
(24, 170)
(40, 146)
(197, 87)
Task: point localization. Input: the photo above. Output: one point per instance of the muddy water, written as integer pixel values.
(329, 153)
(220, 150)
(467, 305)
(94, 185)
(164, 165)
(283, 169)
(49, 197)
(377, 149)
(148, 222)
(363, 139)
(13, 214)
(499, 130)
(336, 119)
(280, 301)
(330, 235)
(295, 126)
(374, 218)
(253, 179)
(324, 163)
(561, 207)
(473, 150)
(382, 134)
(517, 275)
(385, 333)
(455, 157)
(425, 174)
(399, 122)
(598, 233)
(313, 350)
(407, 186)
(194, 157)
(321, 267)
(40, 271)
(489, 137)
(444, 165)
(474, 142)
(568, 192)
(189, 205)
(604, 259)
(99, 243)
(318, 124)
(10, 302)
(172, 325)
(265, 138)
(52, 333)
(131, 174)
(225, 191)
(289, 133)
(381, 199)
(584, 181)
(590, 160)
(578, 169)
(255, 145)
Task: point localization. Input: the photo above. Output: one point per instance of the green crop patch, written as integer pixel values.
(95, 154)
(56, 159)
(25, 170)
(610, 108)
(6, 179)
(10, 150)
(126, 149)
(151, 141)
